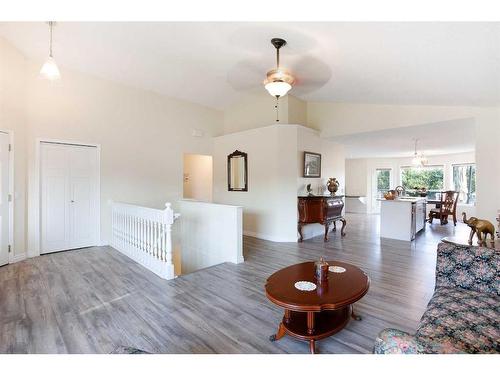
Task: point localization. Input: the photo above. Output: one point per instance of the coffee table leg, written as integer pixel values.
(310, 322)
(354, 315)
(287, 316)
(281, 332)
(312, 346)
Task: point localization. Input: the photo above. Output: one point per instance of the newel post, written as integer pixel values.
(169, 218)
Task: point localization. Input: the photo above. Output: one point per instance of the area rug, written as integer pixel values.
(128, 350)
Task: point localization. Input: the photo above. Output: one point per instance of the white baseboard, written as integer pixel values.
(267, 237)
(17, 258)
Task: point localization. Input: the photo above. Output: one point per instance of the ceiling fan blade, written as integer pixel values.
(246, 75)
(311, 74)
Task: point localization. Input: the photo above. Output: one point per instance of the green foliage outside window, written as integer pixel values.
(430, 178)
(464, 181)
(383, 179)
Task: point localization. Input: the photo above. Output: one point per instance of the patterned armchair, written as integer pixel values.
(463, 315)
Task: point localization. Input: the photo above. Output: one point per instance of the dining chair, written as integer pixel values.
(447, 207)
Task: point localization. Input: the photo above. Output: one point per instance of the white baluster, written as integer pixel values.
(157, 238)
(144, 234)
(169, 219)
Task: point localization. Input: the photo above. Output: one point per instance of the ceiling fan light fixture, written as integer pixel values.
(279, 81)
(278, 88)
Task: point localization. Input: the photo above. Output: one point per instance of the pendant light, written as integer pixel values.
(418, 160)
(279, 81)
(50, 70)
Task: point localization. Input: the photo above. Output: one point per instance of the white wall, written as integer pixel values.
(211, 234)
(361, 174)
(198, 177)
(269, 205)
(487, 164)
(356, 177)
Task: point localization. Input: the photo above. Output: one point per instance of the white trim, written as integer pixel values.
(37, 197)
(12, 194)
(267, 237)
(18, 258)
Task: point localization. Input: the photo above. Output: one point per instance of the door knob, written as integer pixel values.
(72, 201)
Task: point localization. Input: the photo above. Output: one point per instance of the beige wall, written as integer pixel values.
(334, 119)
(332, 161)
(297, 111)
(332, 165)
(13, 118)
(143, 136)
(269, 205)
(257, 109)
(198, 177)
(275, 169)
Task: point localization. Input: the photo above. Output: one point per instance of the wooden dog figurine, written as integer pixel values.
(480, 227)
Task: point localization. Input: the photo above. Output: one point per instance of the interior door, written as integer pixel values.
(69, 197)
(4, 198)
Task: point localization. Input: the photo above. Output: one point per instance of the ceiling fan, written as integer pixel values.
(279, 81)
(302, 70)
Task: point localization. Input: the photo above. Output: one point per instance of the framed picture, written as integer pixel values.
(312, 164)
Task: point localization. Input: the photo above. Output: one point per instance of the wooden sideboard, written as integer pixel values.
(324, 210)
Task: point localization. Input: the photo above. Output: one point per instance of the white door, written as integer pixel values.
(69, 197)
(4, 198)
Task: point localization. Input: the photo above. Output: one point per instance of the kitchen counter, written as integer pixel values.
(402, 218)
(404, 199)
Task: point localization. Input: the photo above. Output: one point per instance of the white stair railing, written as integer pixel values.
(145, 235)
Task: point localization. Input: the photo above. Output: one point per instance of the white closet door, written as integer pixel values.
(69, 197)
(4, 199)
(83, 196)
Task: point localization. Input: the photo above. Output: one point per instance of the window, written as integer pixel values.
(428, 177)
(464, 181)
(383, 181)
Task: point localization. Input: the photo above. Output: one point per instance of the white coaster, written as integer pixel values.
(305, 286)
(336, 269)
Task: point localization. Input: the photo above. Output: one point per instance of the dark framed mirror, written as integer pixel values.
(237, 171)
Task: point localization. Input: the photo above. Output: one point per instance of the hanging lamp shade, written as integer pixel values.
(419, 160)
(49, 69)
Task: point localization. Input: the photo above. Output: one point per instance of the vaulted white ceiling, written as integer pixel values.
(216, 63)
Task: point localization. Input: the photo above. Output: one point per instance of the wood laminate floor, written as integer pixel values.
(94, 300)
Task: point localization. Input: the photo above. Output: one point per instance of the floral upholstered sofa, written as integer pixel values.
(463, 315)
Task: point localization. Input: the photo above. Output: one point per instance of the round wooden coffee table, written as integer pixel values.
(314, 315)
